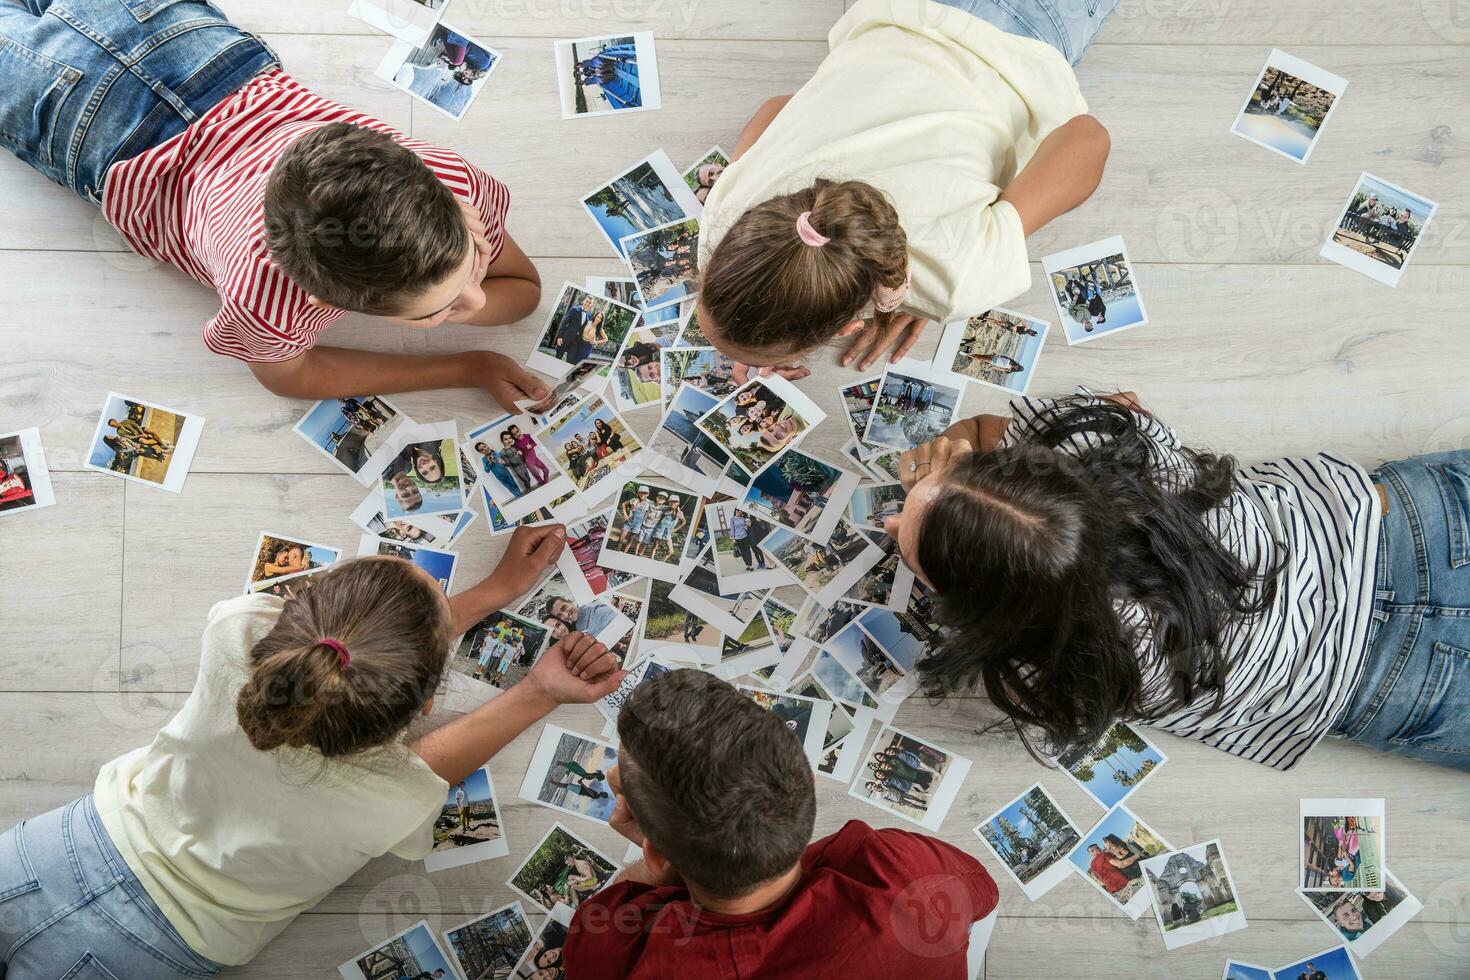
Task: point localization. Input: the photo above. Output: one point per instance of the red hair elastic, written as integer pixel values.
(342, 655)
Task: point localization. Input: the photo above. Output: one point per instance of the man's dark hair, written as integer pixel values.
(719, 784)
(360, 221)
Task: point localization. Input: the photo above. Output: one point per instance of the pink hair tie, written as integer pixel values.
(343, 657)
(886, 299)
(807, 233)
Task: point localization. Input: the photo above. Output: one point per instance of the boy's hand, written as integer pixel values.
(622, 819)
(531, 551)
(578, 670)
(505, 380)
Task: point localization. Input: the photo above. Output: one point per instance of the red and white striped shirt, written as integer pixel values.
(196, 202)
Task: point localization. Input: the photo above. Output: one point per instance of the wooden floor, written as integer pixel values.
(1256, 346)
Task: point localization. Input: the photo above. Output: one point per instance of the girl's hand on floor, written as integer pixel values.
(902, 333)
(530, 552)
(505, 380)
(578, 670)
(791, 372)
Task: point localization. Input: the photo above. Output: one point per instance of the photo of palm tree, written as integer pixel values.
(1113, 768)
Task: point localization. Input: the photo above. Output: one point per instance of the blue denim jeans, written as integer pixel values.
(1070, 26)
(1414, 695)
(85, 83)
(71, 909)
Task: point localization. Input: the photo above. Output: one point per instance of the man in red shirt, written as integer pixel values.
(295, 210)
(720, 796)
(1104, 871)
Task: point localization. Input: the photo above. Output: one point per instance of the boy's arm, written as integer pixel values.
(1064, 171)
(511, 284)
(340, 372)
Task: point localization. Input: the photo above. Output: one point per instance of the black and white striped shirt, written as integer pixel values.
(1292, 667)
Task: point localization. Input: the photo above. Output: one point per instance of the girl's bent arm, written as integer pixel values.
(763, 117)
(1065, 170)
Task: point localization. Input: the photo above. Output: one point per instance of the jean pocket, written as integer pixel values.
(1454, 489)
(89, 968)
(1438, 720)
(142, 10)
(36, 89)
(17, 877)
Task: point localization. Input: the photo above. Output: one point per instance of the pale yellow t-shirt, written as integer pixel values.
(234, 843)
(939, 110)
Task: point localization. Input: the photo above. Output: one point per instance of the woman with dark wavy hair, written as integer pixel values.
(1092, 569)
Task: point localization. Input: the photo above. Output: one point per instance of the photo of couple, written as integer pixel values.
(997, 348)
(1286, 110)
(1111, 855)
(279, 558)
(561, 871)
(638, 374)
(136, 440)
(447, 71)
(1342, 853)
(569, 773)
(702, 176)
(599, 75)
(581, 327)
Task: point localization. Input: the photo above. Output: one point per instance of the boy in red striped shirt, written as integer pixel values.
(296, 210)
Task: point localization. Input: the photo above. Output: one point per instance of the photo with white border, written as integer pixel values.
(144, 442)
(1094, 290)
(943, 772)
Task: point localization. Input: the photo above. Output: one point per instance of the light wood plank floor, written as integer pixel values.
(1256, 347)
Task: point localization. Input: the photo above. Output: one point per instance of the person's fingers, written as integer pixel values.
(765, 371)
(883, 339)
(585, 658)
(908, 338)
(601, 689)
(850, 328)
(794, 373)
(575, 644)
(859, 347)
(549, 545)
(739, 372)
(593, 668)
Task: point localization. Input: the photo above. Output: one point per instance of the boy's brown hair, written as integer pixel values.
(361, 222)
(300, 693)
(717, 783)
(766, 289)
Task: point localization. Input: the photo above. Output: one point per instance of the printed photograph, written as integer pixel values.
(144, 443)
(1365, 919)
(740, 564)
(824, 571)
(843, 684)
(439, 564)
(664, 261)
(650, 525)
(632, 609)
(590, 443)
(820, 623)
(513, 463)
(412, 953)
(704, 368)
(581, 381)
(678, 445)
(1113, 768)
(998, 348)
(1032, 836)
(861, 655)
(909, 778)
(1094, 290)
(446, 72)
(500, 649)
(706, 170)
(799, 492)
(1330, 964)
(1379, 229)
(781, 621)
(543, 960)
(1235, 970)
(561, 871)
(554, 607)
(804, 717)
(1288, 107)
(580, 327)
(762, 419)
(1111, 855)
(578, 563)
(278, 557)
(25, 480)
(645, 669)
(349, 431)
(670, 623)
(647, 195)
(740, 654)
(407, 20)
(569, 773)
(469, 827)
(699, 592)
(839, 725)
(602, 75)
(423, 477)
(637, 375)
(1343, 845)
(857, 404)
(888, 584)
(1194, 897)
(910, 410)
(873, 504)
(487, 948)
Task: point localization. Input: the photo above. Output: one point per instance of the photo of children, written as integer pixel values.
(600, 75)
(468, 828)
(569, 773)
(25, 480)
(760, 420)
(646, 195)
(144, 443)
(439, 564)
(911, 409)
(702, 176)
(825, 571)
(1194, 896)
(554, 607)
(278, 557)
(873, 504)
(1330, 964)
(500, 649)
(1032, 837)
(1343, 845)
(1110, 856)
(1288, 107)
(1117, 765)
(997, 348)
(680, 451)
(589, 444)
(543, 960)
(561, 871)
(349, 431)
(1365, 919)
(412, 953)
(580, 327)
(650, 525)
(704, 368)
(423, 477)
(670, 623)
(1380, 227)
(447, 71)
(637, 374)
(909, 778)
(513, 461)
(1094, 290)
(802, 493)
(664, 262)
(489, 946)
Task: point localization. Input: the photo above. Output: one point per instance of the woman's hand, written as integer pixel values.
(902, 333)
(578, 670)
(931, 457)
(984, 432)
(791, 372)
(505, 380)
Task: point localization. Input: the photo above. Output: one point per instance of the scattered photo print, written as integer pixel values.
(608, 74)
(490, 945)
(847, 731)
(407, 20)
(671, 624)
(1365, 919)
(805, 717)
(469, 828)
(760, 420)
(1288, 107)
(499, 650)
(144, 443)
(699, 592)
(582, 380)
(875, 503)
(568, 772)
(25, 481)
(1112, 769)
(578, 562)
(646, 195)
(1094, 290)
(1111, 857)
(664, 261)
(581, 326)
(997, 348)
(888, 584)
(911, 409)
(543, 960)
(820, 623)
(706, 170)
(704, 368)
(751, 652)
(909, 777)
(592, 444)
(802, 493)
(680, 451)
(446, 71)
(634, 608)
(412, 953)
(352, 432)
(278, 557)
(553, 606)
(1343, 845)
(691, 335)
(857, 405)
(645, 670)
(861, 655)
(1379, 229)
(560, 871)
(781, 620)
(828, 571)
(1032, 835)
(637, 374)
(843, 684)
(1194, 897)
(512, 461)
(740, 564)
(651, 522)
(1330, 964)
(423, 478)
(1235, 970)
(439, 564)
